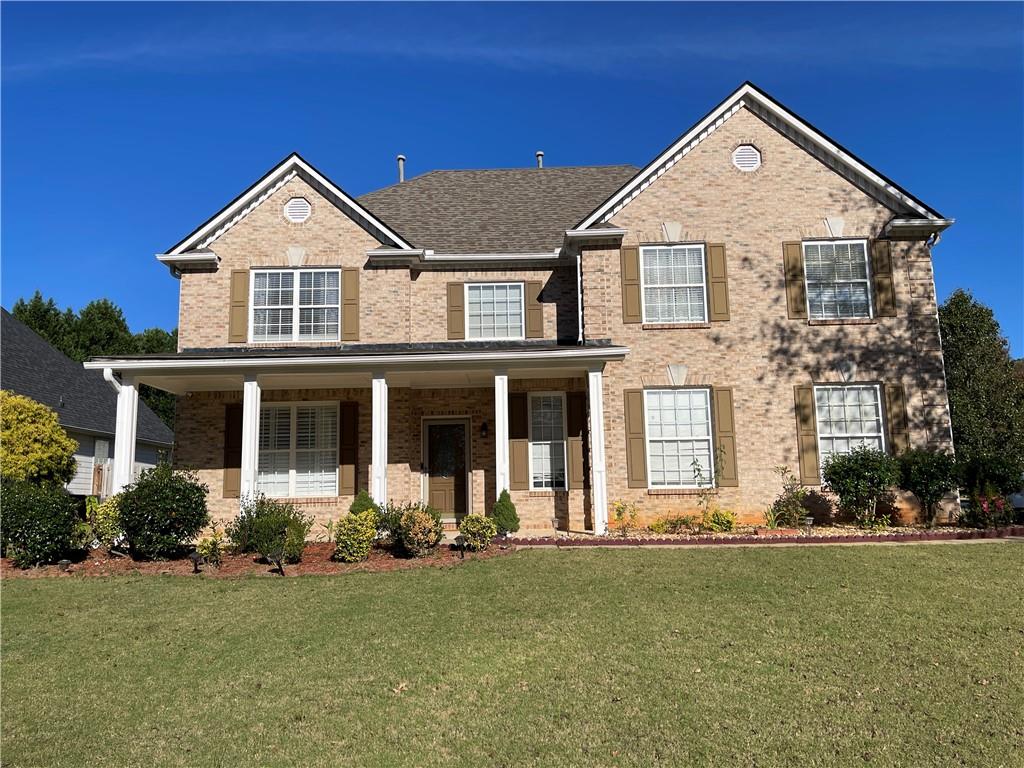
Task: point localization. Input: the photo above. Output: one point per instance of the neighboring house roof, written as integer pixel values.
(515, 210)
(30, 366)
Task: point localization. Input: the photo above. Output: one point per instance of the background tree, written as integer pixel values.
(45, 318)
(33, 446)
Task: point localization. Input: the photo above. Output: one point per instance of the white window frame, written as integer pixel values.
(565, 440)
(867, 280)
(293, 424)
(522, 310)
(710, 439)
(644, 285)
(850, 436)
(296, 307)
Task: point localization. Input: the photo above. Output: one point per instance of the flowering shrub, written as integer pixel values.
(477, 531)
(420, 530)
(35, 447)
(354, 535)
(988, 509)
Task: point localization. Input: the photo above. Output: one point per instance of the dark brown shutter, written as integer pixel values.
(881, 276)
(807, 435)
(896, 418)
(727, 475)
(534, 310)
(575, 422)
(629, 266)
(718, 284)
(796, 289)
(348, 448)
(456, 311)
(238, 309)
(636, 440)
(232, 450)
(350, 304)
(518, 442)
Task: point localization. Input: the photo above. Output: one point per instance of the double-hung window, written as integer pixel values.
(679, 438)
(298, 450)
(296, 305)
(849, 416)
(494, 311)
(674, 284)
(547, 441)
(838, 279)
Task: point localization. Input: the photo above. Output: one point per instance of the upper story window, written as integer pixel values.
(849, 416)
(298, 450)
(837, 277)
(494, 311)
(679, 438)
(674, 284)
(296, 305)
(547, 441)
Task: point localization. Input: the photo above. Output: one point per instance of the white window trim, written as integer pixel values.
(295, 304)
(867, 279)
(522, 310)
(643, 282)
(710, 440)
(293, 406)
(565, 440)
(881, 413)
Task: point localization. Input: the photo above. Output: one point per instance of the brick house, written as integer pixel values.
(755, 296)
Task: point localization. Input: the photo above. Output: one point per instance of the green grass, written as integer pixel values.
(769, 656)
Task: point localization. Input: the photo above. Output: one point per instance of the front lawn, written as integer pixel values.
(864, 655)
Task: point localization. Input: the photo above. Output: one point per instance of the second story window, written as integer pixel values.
(837, 276)
(296, 305)
(494, 311)
(673, 279)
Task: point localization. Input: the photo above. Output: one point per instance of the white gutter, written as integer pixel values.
(584, 234)
(175, 262)
(426, 257)
(108, 376)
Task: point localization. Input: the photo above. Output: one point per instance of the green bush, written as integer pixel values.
(274, 529)
(362, 502)
(999, 474)
(929, 475)
(718, 521)
(478, 532)
(788, 509)
(863, 480)
(988, 509)
(504, 515)
(35, 447)
(105, 520)
(354, 535)
(38, 523)
(389, 521)
(211, 548)
(295, 536)
(420, 529)
(162, 511)
(673, 524)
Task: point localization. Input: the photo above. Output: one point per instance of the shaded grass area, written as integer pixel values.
(818, 656)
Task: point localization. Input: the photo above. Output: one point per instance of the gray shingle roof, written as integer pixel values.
(30, 366)
(517, 210)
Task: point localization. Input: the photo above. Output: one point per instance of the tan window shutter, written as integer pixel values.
(807, 435)
(534, 310)
(881, 276)
(796, 288)
(518, 442)
(232, 451)
(238, 310)
(896, 418)
(727, 475)
(350, 304)
(636, 439)
(576, 425)
(718, 284)
(456, 311)
(629, 266)
(348, 448)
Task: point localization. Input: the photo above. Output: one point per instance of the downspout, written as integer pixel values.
(579, 295)
(108, 375)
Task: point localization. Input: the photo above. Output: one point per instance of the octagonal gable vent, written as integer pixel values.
(746, 157)
(297, 209)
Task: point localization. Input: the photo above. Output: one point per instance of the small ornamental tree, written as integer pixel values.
(929, 475)
(162, 511)
(33, 446)
(362, 502)
(863, 480)
(504, 515)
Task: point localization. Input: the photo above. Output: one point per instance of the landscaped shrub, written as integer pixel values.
(39, 523)
(35, 447)
(504, 515)
(929, 475)
(354, 535)
(211, 548)
(362, 502)
(162, 511)
(105, 520)
(1000, 474)
(788, 509)
(673, 524)
(987, 510)
(863, 480)
(420, 530)
(718, 521)
(271, 528)
(389, 522)
(477, 532)
(295, 536)
(624, 515)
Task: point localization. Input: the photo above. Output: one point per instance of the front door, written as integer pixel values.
(446, 469)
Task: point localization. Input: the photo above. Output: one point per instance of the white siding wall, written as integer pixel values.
(81, 483)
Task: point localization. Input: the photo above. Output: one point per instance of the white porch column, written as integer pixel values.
(124, 434)
(599, 480)
(251, 396)
(501, 475)
(379, 450)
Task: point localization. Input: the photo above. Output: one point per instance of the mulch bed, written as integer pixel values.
(316, 560)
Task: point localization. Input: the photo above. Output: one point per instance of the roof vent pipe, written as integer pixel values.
(540, 159)
(401, 168)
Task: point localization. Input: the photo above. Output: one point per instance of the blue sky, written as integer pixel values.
(125, 126)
